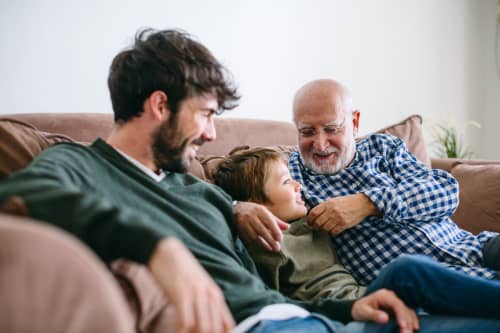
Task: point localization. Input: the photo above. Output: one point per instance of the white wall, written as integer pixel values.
(398, 57)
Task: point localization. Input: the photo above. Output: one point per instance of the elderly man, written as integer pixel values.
(373, 195)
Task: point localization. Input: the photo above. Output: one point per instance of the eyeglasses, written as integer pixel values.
(329, 129)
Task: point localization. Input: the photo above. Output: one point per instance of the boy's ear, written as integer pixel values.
(157, 105)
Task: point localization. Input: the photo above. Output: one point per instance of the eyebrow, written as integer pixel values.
(216, 111)
(330, 124)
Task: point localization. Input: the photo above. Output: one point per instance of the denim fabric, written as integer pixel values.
(428, 324)
(424, 283)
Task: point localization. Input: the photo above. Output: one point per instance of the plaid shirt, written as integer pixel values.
(415, 203)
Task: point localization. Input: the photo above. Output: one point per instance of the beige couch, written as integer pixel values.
(23, 136)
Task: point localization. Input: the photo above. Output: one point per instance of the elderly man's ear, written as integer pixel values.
(355, 122)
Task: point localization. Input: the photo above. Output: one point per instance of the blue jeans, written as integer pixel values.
(421, 283)
(428, 324)
(424, 283)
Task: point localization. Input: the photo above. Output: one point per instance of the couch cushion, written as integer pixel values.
(479, 207)
(20, 143)
(410, 130)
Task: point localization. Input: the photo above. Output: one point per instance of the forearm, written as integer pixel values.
(422, 197)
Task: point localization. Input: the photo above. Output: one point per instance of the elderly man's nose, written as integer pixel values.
(321, 142)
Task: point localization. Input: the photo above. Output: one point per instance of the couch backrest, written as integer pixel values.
(31, 133)
(231, 132)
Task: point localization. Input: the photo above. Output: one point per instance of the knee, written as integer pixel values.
(409, 264)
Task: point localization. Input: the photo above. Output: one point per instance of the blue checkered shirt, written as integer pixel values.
(415, 203)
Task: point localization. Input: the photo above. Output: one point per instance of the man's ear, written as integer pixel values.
(157, 106)
(355, 121)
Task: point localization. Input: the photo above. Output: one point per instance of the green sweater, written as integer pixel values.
(99, 196)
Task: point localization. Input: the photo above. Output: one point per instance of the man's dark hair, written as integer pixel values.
(170, 61)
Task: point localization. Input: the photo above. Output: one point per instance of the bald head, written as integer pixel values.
(321, 95)
(326, 124)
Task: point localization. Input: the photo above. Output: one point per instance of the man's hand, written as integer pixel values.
(198, 303)
(256, 225)
(377, 306)
(338, 214)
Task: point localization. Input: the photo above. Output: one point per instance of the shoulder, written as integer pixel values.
(380, 143)
(65, 151)
(65, 156)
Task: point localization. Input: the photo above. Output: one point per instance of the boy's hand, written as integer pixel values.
(377, 306)
(256, 225)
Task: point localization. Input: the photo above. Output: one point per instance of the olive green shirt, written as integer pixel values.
(307, 266)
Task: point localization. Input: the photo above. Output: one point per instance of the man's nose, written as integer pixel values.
(321, 141)
(209, 133)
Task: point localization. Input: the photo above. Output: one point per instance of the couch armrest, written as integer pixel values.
(50, 282)
(479, 207)
(448, 163)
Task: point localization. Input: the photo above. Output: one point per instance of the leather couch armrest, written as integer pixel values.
(479, 207)
(449, 163)
(51, 282)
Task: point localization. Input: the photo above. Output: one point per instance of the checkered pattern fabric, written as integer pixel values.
(415, 202)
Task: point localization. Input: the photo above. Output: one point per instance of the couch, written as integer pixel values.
(77, 289)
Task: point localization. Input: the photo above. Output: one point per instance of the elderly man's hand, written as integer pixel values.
(379, 305)
(196, 301)
(338, 214)
(256, 225)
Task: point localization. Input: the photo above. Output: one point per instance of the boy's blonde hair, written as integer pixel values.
(244, 173)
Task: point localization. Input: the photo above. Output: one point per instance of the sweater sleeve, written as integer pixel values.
(51, 193)
(419, 194)
(332, 308)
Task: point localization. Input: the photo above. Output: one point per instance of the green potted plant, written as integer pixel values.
(449, 141)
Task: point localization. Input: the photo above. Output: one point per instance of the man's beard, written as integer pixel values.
(169, 147)
(326, 167)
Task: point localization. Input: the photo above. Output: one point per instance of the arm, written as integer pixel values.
(52, 194)
(419, 194)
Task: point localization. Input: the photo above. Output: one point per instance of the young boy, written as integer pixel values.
(307, 267)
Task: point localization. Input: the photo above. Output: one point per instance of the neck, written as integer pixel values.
(135, 141)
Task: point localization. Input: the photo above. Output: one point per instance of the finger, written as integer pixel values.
(185, 320)
(204, 313)
(268, 229)
(377, 316)
(262, 232)
(272, 223)
(416, 322)
(323, 222)
(404, 315)
(216, 314)
(227, 319)
(313, 214)
(283, 225)
(263, 242)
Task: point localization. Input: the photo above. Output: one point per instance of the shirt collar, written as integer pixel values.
(156, 177)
